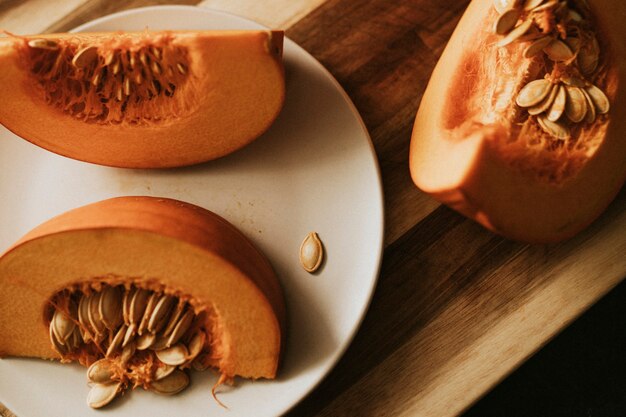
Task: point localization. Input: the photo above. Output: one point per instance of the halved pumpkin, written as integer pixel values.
(145, 99)
(477, 150)
(161, 246)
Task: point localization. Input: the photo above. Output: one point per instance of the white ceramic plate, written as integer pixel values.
(314, 170)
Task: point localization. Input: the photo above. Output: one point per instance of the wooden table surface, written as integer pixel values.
(456, 308)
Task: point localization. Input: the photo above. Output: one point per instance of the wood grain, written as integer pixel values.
(456, 307)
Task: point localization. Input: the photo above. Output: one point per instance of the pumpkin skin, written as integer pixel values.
(470, 160)
(230, 93)
(150, 241)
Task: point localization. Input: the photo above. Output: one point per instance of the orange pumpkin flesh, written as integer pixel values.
(147, 242)
(142, 100)
(474, 150)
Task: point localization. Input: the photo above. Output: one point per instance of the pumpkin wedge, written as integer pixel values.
(521, 127)
(145, 99)
(141, 286)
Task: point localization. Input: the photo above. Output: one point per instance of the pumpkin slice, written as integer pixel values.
(197, 292)
(142, 100)
(514, 139)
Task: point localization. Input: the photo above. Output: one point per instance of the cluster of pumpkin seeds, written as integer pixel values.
(564, 97)
(139, 336)
(99, 85)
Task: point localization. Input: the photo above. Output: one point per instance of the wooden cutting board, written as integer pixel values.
(457, 308)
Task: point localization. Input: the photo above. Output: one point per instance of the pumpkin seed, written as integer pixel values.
(93, 314)
(85, 57)
(126, 86)
(56, 344)
(172, 384)
(589, 57)
(163, 371)
(311, 252)
(47, 44)
(181, 328)
(110, 307)
(558, 107)
(537, 46)
(156, 68)
(599, 99)
(546, 103)
(159, 344)
(576, 107)
(174, 318)
(161, 312)
(145, 341)
(117, 341)
(101, 371)
(62, 326)
(131, 331)
(558, 51)
(556, 129)
(181, 68)
(573, 81)
(102, 394)
(148, 312)
(126, 299)
(175, 355)
(507, 21)
(138, 305)
(83, 318)
(516, 33)
(196, 345)
(533, 93)
(591, 115)
(127, 353)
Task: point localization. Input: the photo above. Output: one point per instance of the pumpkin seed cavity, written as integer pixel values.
(559, 32)
(137, 83)
(98, 327)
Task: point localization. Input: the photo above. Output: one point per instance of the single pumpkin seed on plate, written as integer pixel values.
(537, 46)
(516, 33)
(101, 371)
(311, 252)
(102, 394)
(591, 115)
(558, 107)
(175, 355)
(507, 21)
(576, 107)
(558, 51)
(533, 93)
(599, 99)
(172, 384)
(546, 103)
(556, 129)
